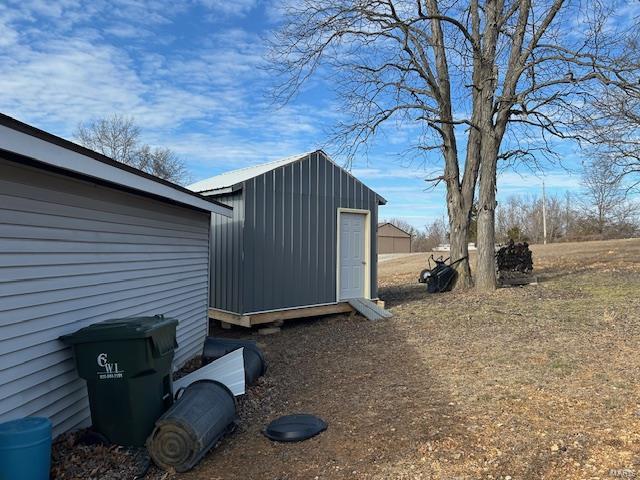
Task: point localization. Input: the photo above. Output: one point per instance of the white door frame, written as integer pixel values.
(367, 250)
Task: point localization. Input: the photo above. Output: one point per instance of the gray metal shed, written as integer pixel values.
(84, 239)
(303, 234)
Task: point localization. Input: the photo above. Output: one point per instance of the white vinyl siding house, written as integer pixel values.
(76, 250)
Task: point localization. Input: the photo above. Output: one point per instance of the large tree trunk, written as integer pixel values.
(458, 238)
(459, 202)
(486, 266)
(600, 219)
(486, 272)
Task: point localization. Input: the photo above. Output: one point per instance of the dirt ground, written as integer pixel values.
(525, 383)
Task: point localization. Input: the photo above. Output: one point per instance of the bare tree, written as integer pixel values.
(435, 234)
(118, 137)
(611, 123)
(402, 224)
(604, 195)
(115, 136)
(478, 70)
(600, 212)
(163, 163)
(519, 218)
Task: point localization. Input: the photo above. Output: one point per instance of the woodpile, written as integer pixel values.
(514, 257)
(515, 264)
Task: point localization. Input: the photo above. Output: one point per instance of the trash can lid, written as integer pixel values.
(294, 428)
(119, 329)
(24, 431)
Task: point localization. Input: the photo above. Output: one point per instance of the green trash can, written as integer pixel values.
(127, 365)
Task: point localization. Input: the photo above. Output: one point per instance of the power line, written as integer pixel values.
(544, 214)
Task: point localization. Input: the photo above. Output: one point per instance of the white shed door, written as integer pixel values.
(352, 258)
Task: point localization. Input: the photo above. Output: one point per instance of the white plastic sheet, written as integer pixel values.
(228, 370)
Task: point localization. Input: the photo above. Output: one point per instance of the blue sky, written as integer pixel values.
(189, 73)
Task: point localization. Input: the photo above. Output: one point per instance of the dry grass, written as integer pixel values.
(527, 383)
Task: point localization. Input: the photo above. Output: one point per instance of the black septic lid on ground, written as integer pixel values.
(295, 428)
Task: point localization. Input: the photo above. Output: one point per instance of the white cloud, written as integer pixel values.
(235, 7)
(204, 101)
(213, 154)
(66, 81)
(123, 30)
(389, 173)
(526, 181)
(9, 35)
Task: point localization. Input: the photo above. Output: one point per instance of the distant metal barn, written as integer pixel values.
(302, 240)
(392, 239)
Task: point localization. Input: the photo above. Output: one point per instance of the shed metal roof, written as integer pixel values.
(26, 142)
(234, 177)
(229, 181)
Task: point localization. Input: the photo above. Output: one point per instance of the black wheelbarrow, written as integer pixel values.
(439, 278)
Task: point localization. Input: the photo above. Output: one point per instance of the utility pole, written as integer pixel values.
(544, 214)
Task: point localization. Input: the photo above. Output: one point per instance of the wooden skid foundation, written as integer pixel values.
(517, 281)
(281, 315)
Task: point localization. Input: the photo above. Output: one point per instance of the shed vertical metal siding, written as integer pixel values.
(290, 233)
(73, 253)
(226, 255)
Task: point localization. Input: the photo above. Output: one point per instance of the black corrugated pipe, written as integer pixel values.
(254, 363)
(191, 427)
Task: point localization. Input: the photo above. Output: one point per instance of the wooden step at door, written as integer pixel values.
(369, 309)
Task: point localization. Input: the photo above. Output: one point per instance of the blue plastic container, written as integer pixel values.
(25, 449)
